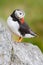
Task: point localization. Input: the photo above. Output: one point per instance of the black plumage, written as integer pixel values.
(25, 29)
(14, 17)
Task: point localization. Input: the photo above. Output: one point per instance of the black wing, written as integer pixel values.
(25, 29)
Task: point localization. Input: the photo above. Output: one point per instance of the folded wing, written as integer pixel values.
(25, 29)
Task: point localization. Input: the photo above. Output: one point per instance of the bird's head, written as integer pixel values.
(19, 14)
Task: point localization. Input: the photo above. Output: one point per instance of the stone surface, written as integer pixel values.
(13, 53)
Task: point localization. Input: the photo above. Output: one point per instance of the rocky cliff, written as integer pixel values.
(13, 53)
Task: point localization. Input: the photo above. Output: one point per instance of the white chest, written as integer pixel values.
(13, 25)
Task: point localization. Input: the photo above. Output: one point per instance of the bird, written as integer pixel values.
(18, 25)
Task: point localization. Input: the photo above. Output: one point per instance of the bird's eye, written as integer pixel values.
(20, 13)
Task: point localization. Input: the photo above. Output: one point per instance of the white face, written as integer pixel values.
(19, 14)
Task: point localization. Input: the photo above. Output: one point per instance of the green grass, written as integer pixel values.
(34, 16)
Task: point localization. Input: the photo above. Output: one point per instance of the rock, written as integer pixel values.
(13, 53)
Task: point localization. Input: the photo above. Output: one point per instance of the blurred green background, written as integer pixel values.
(34, 16)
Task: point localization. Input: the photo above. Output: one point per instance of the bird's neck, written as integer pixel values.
(15, 19)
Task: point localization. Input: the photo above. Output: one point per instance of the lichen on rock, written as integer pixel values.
(13, 53)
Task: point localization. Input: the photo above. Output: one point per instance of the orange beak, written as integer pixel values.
(22, 20)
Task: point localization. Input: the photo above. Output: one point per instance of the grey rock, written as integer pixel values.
(13, 53)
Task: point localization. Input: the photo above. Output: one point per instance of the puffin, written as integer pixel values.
(18, 26)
